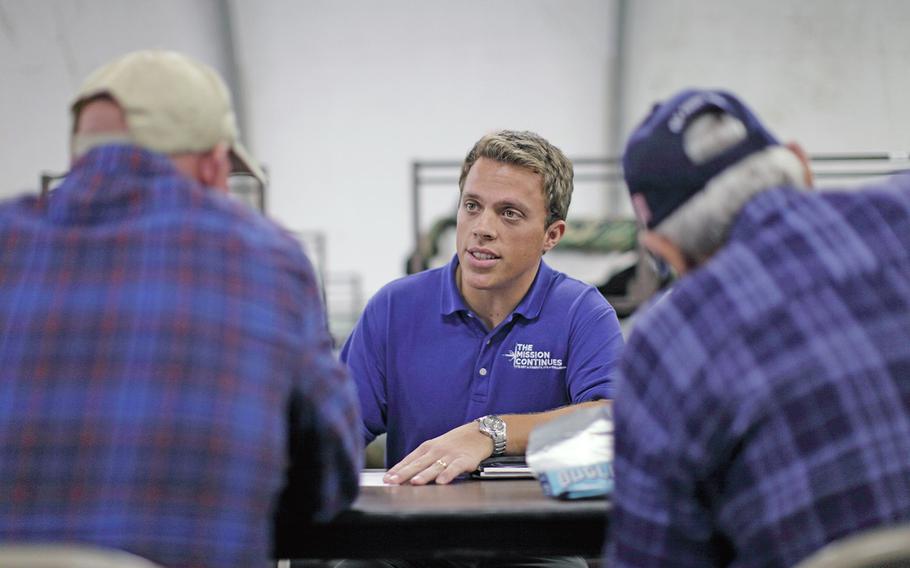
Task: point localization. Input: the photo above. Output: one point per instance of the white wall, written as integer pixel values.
(344, 94)
(831, 74)
(48, 47)
(341, 95)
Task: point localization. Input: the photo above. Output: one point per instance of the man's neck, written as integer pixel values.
(493, 306)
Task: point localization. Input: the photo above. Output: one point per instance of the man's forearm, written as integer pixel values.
(519, 426)
(461, 449)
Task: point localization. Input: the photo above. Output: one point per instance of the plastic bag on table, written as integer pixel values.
(572, 455)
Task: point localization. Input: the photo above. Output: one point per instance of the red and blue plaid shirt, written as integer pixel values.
(167, 384)
(763, 407)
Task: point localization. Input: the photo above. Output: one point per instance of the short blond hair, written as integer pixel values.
(528, 150)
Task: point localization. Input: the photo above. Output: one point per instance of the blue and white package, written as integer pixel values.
(572, 455)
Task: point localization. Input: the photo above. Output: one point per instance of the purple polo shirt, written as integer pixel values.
(425, 364)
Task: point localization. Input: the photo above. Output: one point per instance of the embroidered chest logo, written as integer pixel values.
(524, 356)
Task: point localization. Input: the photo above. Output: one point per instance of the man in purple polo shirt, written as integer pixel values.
(459, 363)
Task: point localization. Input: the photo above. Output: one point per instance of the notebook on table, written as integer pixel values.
(503, 467)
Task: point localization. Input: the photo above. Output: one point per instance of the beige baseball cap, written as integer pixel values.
(173, 104)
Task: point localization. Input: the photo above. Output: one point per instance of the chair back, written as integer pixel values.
(68, 556)
(887, 547)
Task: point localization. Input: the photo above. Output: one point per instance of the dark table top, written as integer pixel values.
(471, 517)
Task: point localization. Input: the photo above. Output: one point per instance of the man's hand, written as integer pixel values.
(443, 458)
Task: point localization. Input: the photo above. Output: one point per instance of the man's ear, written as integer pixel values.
(215, 167)
(554, 233)
(804, 158)
(666, 249)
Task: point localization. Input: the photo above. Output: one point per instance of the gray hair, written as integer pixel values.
(528, 150)
(700, 226)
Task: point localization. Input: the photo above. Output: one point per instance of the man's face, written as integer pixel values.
(501, 232)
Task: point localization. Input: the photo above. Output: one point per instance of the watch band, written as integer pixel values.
(499, 446)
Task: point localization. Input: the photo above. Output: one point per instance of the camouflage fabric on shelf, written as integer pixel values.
(600, 235)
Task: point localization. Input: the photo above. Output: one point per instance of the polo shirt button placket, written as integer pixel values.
(484, 359)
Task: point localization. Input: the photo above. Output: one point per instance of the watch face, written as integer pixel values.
(493, 423)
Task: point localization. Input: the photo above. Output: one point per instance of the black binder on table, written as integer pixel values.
(503, 467)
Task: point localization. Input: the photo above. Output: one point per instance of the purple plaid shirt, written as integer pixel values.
(167, 384)
(763, 407)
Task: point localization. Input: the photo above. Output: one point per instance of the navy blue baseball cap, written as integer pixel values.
(659, 174)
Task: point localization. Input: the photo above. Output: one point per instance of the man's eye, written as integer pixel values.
(511, 214)
(470, 205)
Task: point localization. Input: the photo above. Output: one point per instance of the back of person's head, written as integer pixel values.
(528, 150)
(171, 104)
(693, 163)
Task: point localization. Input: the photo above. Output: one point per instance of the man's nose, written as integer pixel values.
(484, 226)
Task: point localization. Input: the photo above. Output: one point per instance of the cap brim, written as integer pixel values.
(242, 161)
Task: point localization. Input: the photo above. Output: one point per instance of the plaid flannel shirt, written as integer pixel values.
(167, 383)
(763, 406)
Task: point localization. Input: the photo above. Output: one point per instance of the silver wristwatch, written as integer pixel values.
(495, 428)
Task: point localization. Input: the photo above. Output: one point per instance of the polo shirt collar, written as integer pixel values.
(529, 307)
